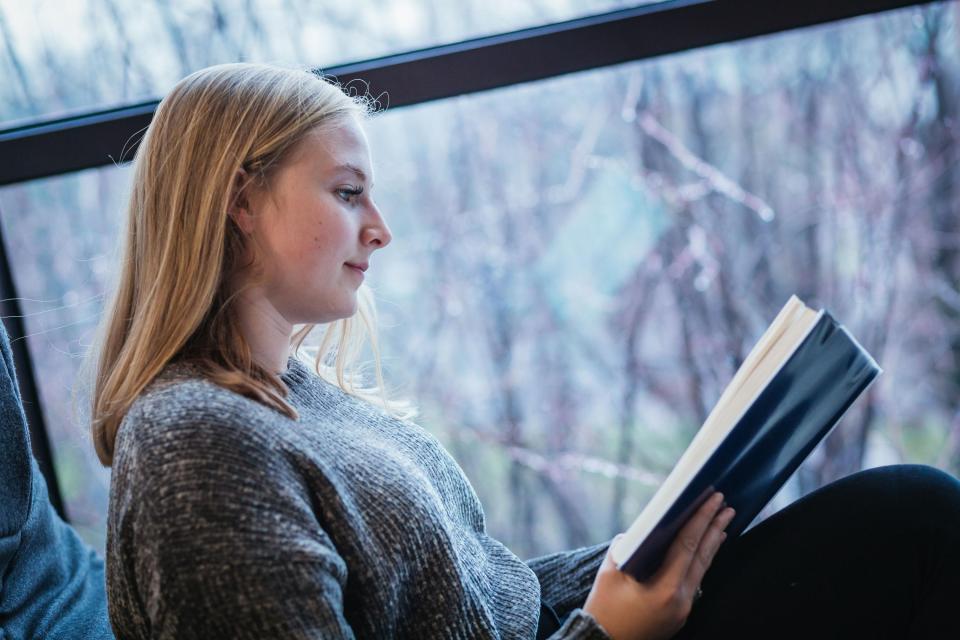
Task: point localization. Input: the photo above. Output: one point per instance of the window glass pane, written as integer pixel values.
(579, 263)
(65, 55)
(62, 238)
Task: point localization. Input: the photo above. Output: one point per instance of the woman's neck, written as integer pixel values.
(265, 330)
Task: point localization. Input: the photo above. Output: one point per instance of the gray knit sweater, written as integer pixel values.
(229, 520)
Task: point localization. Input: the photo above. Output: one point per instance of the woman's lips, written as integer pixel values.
(356, 269)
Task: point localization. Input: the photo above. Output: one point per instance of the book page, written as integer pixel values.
(787, 315)
(729, 409)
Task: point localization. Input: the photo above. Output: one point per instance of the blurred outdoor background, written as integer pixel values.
(579, 264)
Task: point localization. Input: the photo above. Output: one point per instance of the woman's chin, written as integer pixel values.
(347, 311)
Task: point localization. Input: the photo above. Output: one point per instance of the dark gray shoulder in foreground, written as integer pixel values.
(191, 408)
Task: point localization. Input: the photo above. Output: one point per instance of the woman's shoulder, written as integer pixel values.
(180, 391)
(181, 407)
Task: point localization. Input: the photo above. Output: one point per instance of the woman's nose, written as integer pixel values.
(378, 232)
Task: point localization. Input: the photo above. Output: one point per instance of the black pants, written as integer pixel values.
(873, 555)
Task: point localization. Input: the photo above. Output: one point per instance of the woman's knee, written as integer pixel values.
(888, 494)
(910, 481)
(917, 492)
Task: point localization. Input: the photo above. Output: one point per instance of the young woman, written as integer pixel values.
(254, 496)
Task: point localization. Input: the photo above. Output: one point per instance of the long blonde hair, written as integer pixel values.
(173, 299)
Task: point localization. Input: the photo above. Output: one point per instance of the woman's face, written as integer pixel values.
(318, 228)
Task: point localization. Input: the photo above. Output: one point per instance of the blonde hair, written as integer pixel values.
(173, 299)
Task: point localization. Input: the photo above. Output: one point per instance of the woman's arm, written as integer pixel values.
(566, 577)
(216, 535)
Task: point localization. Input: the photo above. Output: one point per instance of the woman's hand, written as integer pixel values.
(658, 608)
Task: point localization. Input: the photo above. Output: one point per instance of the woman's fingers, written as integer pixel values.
(680, 555)
(659, 607)
(709, 545)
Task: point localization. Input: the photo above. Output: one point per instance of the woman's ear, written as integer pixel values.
(239, 209)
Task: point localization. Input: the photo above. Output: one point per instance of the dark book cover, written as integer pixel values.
(799, 406)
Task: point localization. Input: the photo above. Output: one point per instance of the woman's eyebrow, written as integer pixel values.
(353, 169)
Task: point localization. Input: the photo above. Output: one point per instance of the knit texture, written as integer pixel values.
(229, 520)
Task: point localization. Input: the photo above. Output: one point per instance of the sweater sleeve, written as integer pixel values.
(565, 581)
(216, 531)
(566, 577)
(580, 625)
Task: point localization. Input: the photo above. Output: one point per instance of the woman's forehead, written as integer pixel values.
(341, 148)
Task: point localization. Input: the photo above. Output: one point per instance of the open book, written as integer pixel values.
(788, 394)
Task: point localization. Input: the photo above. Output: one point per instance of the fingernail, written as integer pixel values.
(719, 497)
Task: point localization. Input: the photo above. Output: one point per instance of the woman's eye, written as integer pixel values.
(348, 193)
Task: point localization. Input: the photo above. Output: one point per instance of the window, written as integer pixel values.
(578, 263)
